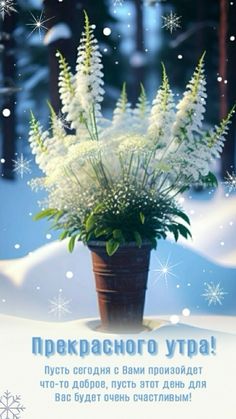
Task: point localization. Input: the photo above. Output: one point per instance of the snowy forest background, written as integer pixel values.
(133, 42)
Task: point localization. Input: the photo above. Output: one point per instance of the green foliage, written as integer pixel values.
(65, 72)
(35, 128)
(117, 220)
(209, 180)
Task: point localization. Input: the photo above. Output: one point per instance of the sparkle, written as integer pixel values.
(171, 22)
(6, 7)
(214, 293)
(59, 306)
(10, 406)
(22, 166)
(38, 24)
(165, 271)
(230, 182)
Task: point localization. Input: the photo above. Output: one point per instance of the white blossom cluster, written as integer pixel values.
(158, 148)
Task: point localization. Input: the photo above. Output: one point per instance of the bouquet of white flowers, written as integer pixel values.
(117, 181)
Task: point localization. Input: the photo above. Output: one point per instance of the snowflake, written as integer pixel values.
(171, 22)
(214, 293)
(230, 182)
(59, 306)
(10, 406)
(6, 7)
(38, 24)
(118, 2)
(21, 166)
(165, 271)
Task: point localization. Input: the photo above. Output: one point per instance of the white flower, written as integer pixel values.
(163, 148)
(191, 108)
(162, 114)
(132, 144)
(141, 113)
(122, 116)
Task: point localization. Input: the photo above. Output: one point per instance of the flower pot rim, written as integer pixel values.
(102, 243)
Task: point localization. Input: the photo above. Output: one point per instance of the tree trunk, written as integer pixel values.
(9, 96)
(227, 72)
(138, 65)
(223, 57)
(59, 38)
(228, 159)
(201, 17)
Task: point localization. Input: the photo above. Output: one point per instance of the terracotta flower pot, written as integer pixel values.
(121, 282)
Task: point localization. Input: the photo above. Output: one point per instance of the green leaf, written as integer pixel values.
(184, 231)
(101, 231)
(90, 223)
(88, 236)
(142, 217)
(210, 180)
(176, 233)
(153, 243)
(71, 243)
(63, 235)
(183, 216)
(98, 208)
(138, 238)
(59, 215)
(45, 214)
(111, 246)
(118, 235)
(174, 230)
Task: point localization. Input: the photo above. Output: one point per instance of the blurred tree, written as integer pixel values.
(37, 71)
(8, 93)
(198, 33)
(60, 17)
(223, 34)
(227, 65)
(206, 26)
(138, 60)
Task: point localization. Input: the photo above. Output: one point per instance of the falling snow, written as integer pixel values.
(59, 306)
(6, 112)
(38, 24)
(6, 8)
(214, 293)
(10, 406)
(230, 182)
(171, 22)
(22, 166)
